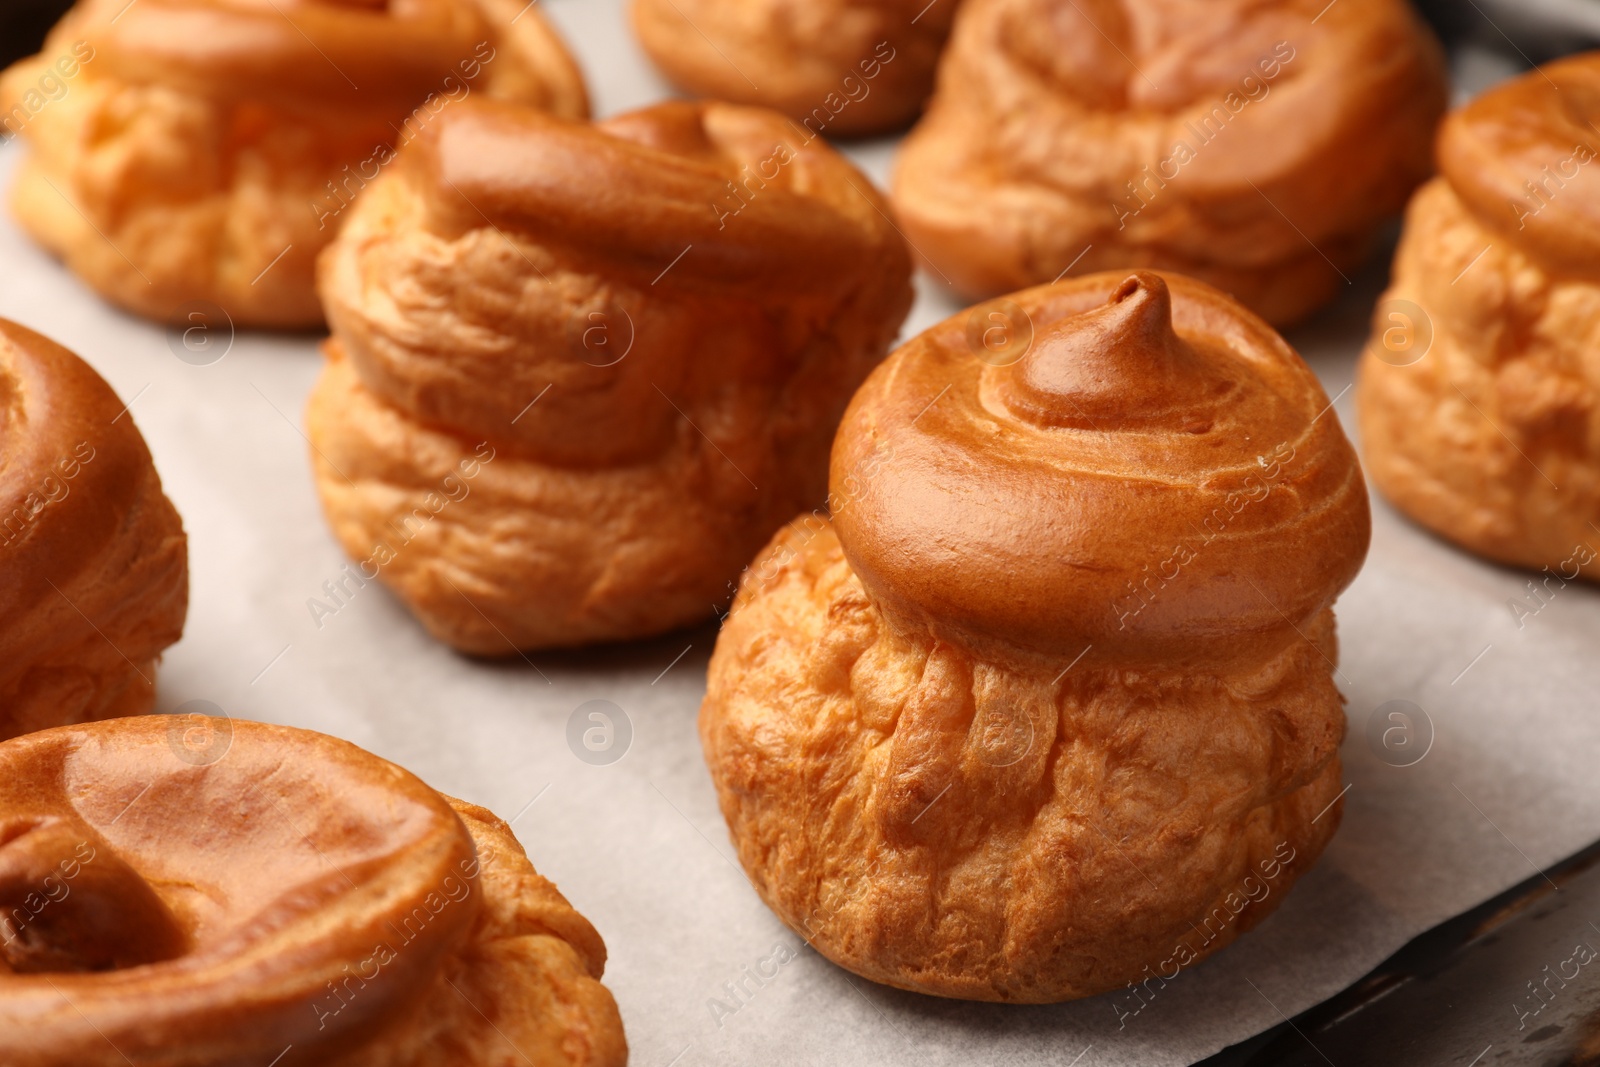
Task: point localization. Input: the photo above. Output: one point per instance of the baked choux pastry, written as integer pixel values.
(1046, 707)
(1253, 144)
(842, 68)
(202, 152)
(1478, 393)
(580, 374)
(94, 565)
(194, 892)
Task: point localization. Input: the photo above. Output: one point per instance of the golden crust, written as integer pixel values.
(843, 68)
(881, 785)
(179, 167)
(1478, 390)
(94, 577)
(1491, 439)
(1131, 482)
(524, 988)
(1255, 146)
(525, 427)
(323, 899)
(1046, 706)
(523, 554)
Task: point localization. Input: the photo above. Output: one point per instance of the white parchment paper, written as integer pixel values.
(1507, 787)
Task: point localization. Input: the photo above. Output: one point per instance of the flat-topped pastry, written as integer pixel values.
(839, 68)
(1048, 706)
(189, 152)
(94, 565)
(274, 896)
(1478, 392)
(575, 380)
(1253, 144)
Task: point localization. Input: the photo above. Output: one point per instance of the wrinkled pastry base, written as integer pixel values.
(1046, 149)
(526, 988)
(536, 555)
(624, 495)
(135, 588)
(159, 199)
(1492, 439)
(954, 216)
(968, 829)
(192, 201)
(808, 57)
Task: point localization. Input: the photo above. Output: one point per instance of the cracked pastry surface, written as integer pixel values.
(194, 892)
(94, 572)
(1478, 388)
(1254, 145)
(1048, 698)
(551, 417)
(204, 151)
(839, 68)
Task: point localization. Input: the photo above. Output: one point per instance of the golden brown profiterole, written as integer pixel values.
(1254, 144)
(1046, 705)
(580, 374)
(1478, 393)
(94, 571)
(190, 155)
(843, 68)
(196, 892)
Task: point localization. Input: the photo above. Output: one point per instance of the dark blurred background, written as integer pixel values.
(1539, 29)
(1532, 29)
(23, 24)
